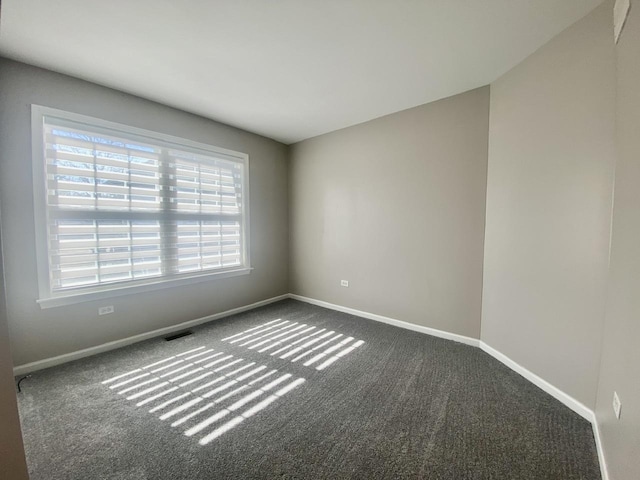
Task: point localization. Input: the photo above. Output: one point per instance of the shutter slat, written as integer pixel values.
(53, 139)
(68, 186)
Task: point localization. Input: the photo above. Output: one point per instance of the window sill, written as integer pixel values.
(119, 291)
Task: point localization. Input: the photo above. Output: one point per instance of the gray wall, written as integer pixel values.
(620, 369)
(12, 461)
(396, 207)
(549, 194)
(37, 334)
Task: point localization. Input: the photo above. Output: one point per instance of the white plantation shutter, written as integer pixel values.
(124, 207)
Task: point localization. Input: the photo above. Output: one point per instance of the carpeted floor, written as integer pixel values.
(349, 398)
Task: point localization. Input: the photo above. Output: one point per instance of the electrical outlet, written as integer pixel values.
(344, 283)
(616, 405)
(106, 310)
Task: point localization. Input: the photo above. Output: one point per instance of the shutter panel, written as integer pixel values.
(89, 252)
(207, 245)
(202, 185)
(92, 171)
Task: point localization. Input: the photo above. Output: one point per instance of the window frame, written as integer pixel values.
(47, 298)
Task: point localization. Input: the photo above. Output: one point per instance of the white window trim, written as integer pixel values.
(47, 299)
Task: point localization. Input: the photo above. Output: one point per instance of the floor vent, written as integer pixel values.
(178, 335)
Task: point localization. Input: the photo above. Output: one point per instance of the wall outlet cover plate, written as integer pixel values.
(616, 405)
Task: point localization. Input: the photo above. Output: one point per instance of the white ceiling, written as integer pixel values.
(286, 69)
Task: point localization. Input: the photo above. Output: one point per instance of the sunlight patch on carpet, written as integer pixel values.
(195, 395)
(296, 341)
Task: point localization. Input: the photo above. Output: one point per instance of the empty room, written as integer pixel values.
(304, 239)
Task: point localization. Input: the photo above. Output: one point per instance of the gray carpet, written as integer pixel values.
(376, 402)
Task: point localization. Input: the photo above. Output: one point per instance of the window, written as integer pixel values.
(119, 207)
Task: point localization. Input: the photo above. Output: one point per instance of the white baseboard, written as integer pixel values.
(559, 395)
(391, 321)
(604, 472)
(555, 392)
(105, 347)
